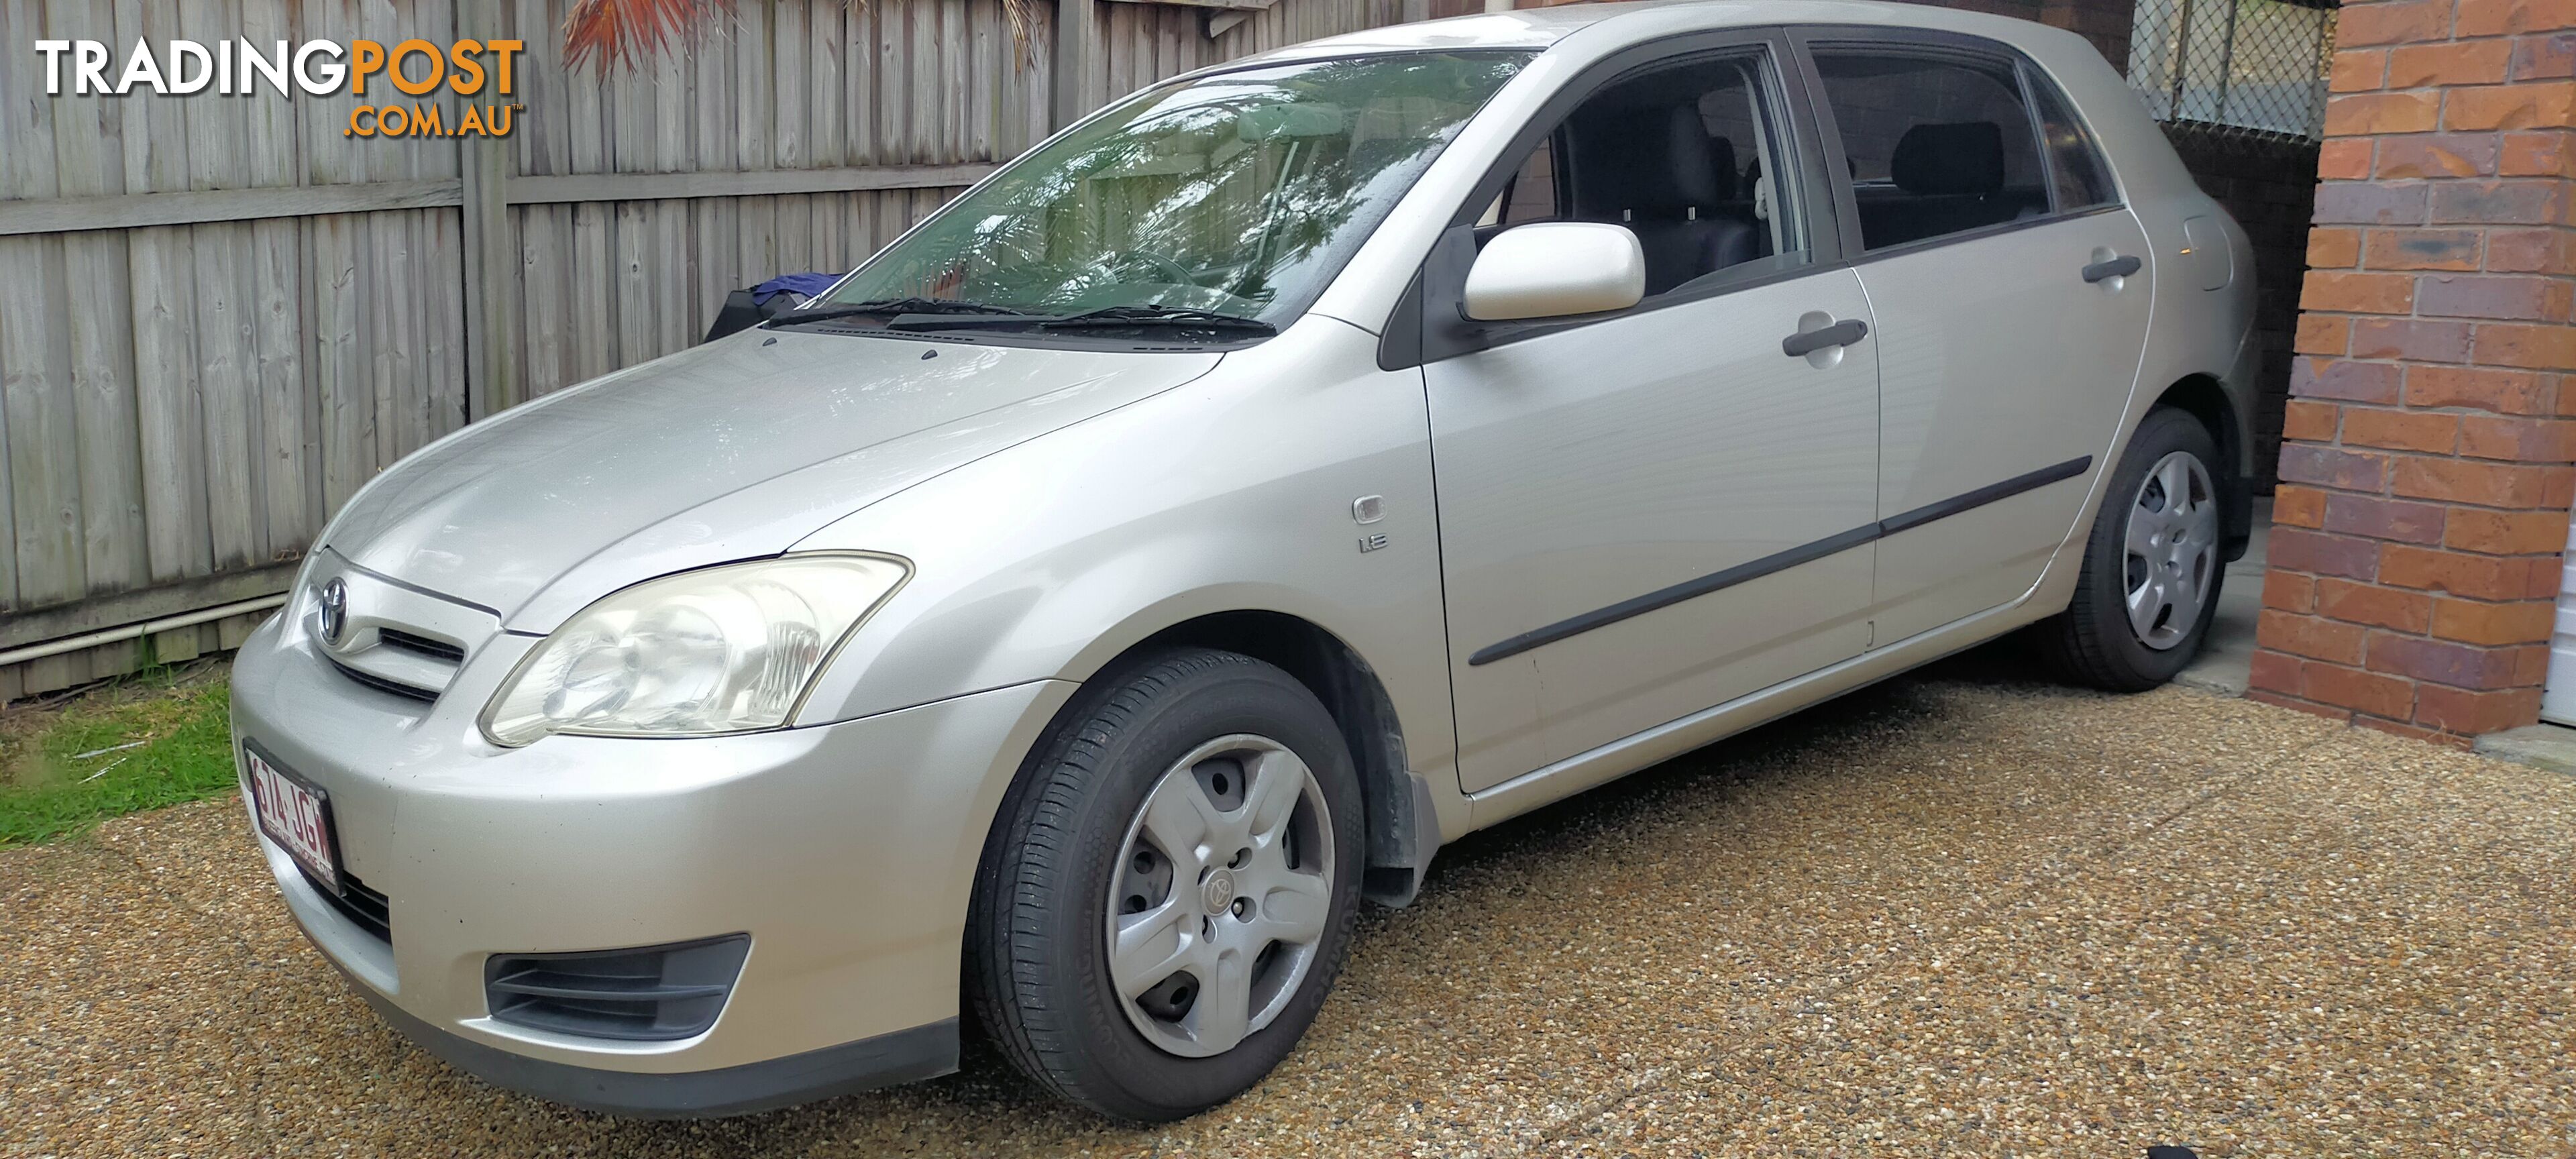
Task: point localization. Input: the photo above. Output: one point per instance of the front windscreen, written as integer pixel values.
(1238, 194)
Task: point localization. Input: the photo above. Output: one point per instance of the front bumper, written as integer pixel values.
(846, 852)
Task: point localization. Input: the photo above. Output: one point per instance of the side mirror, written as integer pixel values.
(1554, 269)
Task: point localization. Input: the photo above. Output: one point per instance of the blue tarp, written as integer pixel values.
(806, 285)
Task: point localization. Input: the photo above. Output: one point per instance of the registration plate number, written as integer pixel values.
(297, 815)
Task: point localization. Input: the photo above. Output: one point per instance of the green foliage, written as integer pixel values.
(63, 770)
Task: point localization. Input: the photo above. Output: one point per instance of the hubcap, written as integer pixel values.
(2172, 555)
(1220, 895)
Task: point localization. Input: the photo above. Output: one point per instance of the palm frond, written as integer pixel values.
(613, 32)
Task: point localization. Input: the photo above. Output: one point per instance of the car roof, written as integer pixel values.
(1611, 26)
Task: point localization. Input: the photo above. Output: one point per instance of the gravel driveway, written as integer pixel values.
(1949, 914)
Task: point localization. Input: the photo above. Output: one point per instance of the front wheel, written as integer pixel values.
(2152, 565)
(1170, 887)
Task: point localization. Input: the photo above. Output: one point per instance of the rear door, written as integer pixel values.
(1647, 513)
(2010, 291)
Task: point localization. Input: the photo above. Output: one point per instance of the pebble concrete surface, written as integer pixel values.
(1956, 914)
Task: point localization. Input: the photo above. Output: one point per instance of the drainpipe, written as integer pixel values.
(137, 631)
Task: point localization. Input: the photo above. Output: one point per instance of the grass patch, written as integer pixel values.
(153, 739)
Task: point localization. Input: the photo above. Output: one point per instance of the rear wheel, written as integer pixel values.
(2153, 564)
(1170, 887)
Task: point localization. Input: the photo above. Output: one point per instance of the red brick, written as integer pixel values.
(2377, 606)
(2378, 694)
(2357, 293)
(2536, 155)
(2550, 105)
(2298, 549)
(2443, 662)
(2333, 467)
(2422, 249)
(2327, 334)
(2513, 297)
(2309, 421)
(2298, 506)
(2476, 62)
(2334, 249)
(2502, 17)
(2377, 518)
(2274, 672)
(2483, 577)
(2410, 23)
(2353, 202)
(2493, 624)
(2289, 591)
(2381, 114)
(2519, 439)
(2533, 347)
(2360, 70)
(2346, 159)
(2400, 430)
(2410, 339)
(2310, 637)
(2501, 391)
(2485, 484)
(2442, 155)
(2465, 713)
(2530, 251)
(2346, 381)
(2546, 57)
(2521, 201)
(2504, 532)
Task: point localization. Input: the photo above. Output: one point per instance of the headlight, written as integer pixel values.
(725, 649)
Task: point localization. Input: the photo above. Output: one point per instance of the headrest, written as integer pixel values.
(1964, 157)
(1632, 164)
(1691, 164)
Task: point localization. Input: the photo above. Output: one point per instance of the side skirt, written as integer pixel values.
(1670, 739)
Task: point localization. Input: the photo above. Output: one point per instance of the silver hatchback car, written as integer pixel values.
(1074, 615)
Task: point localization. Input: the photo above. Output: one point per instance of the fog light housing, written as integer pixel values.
(650, 993)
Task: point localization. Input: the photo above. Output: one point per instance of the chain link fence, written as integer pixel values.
(2246, 66)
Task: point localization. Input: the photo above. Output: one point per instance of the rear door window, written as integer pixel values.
(1935, 141)
(2075, 165)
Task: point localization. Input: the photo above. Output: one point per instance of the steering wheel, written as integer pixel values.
(1179, 275)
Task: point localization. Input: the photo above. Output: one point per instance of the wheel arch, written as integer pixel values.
(1351, 691)
(1401, 818)
(2204, 398)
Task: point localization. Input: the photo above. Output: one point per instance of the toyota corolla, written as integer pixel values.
(1066, 622)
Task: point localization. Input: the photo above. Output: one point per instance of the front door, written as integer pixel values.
(1648, 514)
(2010, 289)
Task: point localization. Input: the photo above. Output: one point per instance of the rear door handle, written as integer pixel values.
(2119, 267)
(1807, 342)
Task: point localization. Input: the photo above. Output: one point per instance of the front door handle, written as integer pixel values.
(2119, 267)
(1806, 342)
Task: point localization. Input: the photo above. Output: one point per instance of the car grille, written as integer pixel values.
(642, 994)
(381, 684)
(371, 911)
(423, 645)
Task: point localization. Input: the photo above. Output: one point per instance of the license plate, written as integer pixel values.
(296, 814)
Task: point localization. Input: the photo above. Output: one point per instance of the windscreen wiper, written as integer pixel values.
(1176, 317)
(897, 306)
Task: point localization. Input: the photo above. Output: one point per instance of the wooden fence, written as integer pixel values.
(220, 315)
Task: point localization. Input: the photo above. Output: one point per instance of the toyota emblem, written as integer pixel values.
(335, 611)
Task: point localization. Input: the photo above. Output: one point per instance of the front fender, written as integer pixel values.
(1234, 492)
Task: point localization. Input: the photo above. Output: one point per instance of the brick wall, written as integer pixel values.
(2426, 470)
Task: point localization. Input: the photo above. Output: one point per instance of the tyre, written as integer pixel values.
(1169, 888)
(2152, 565)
